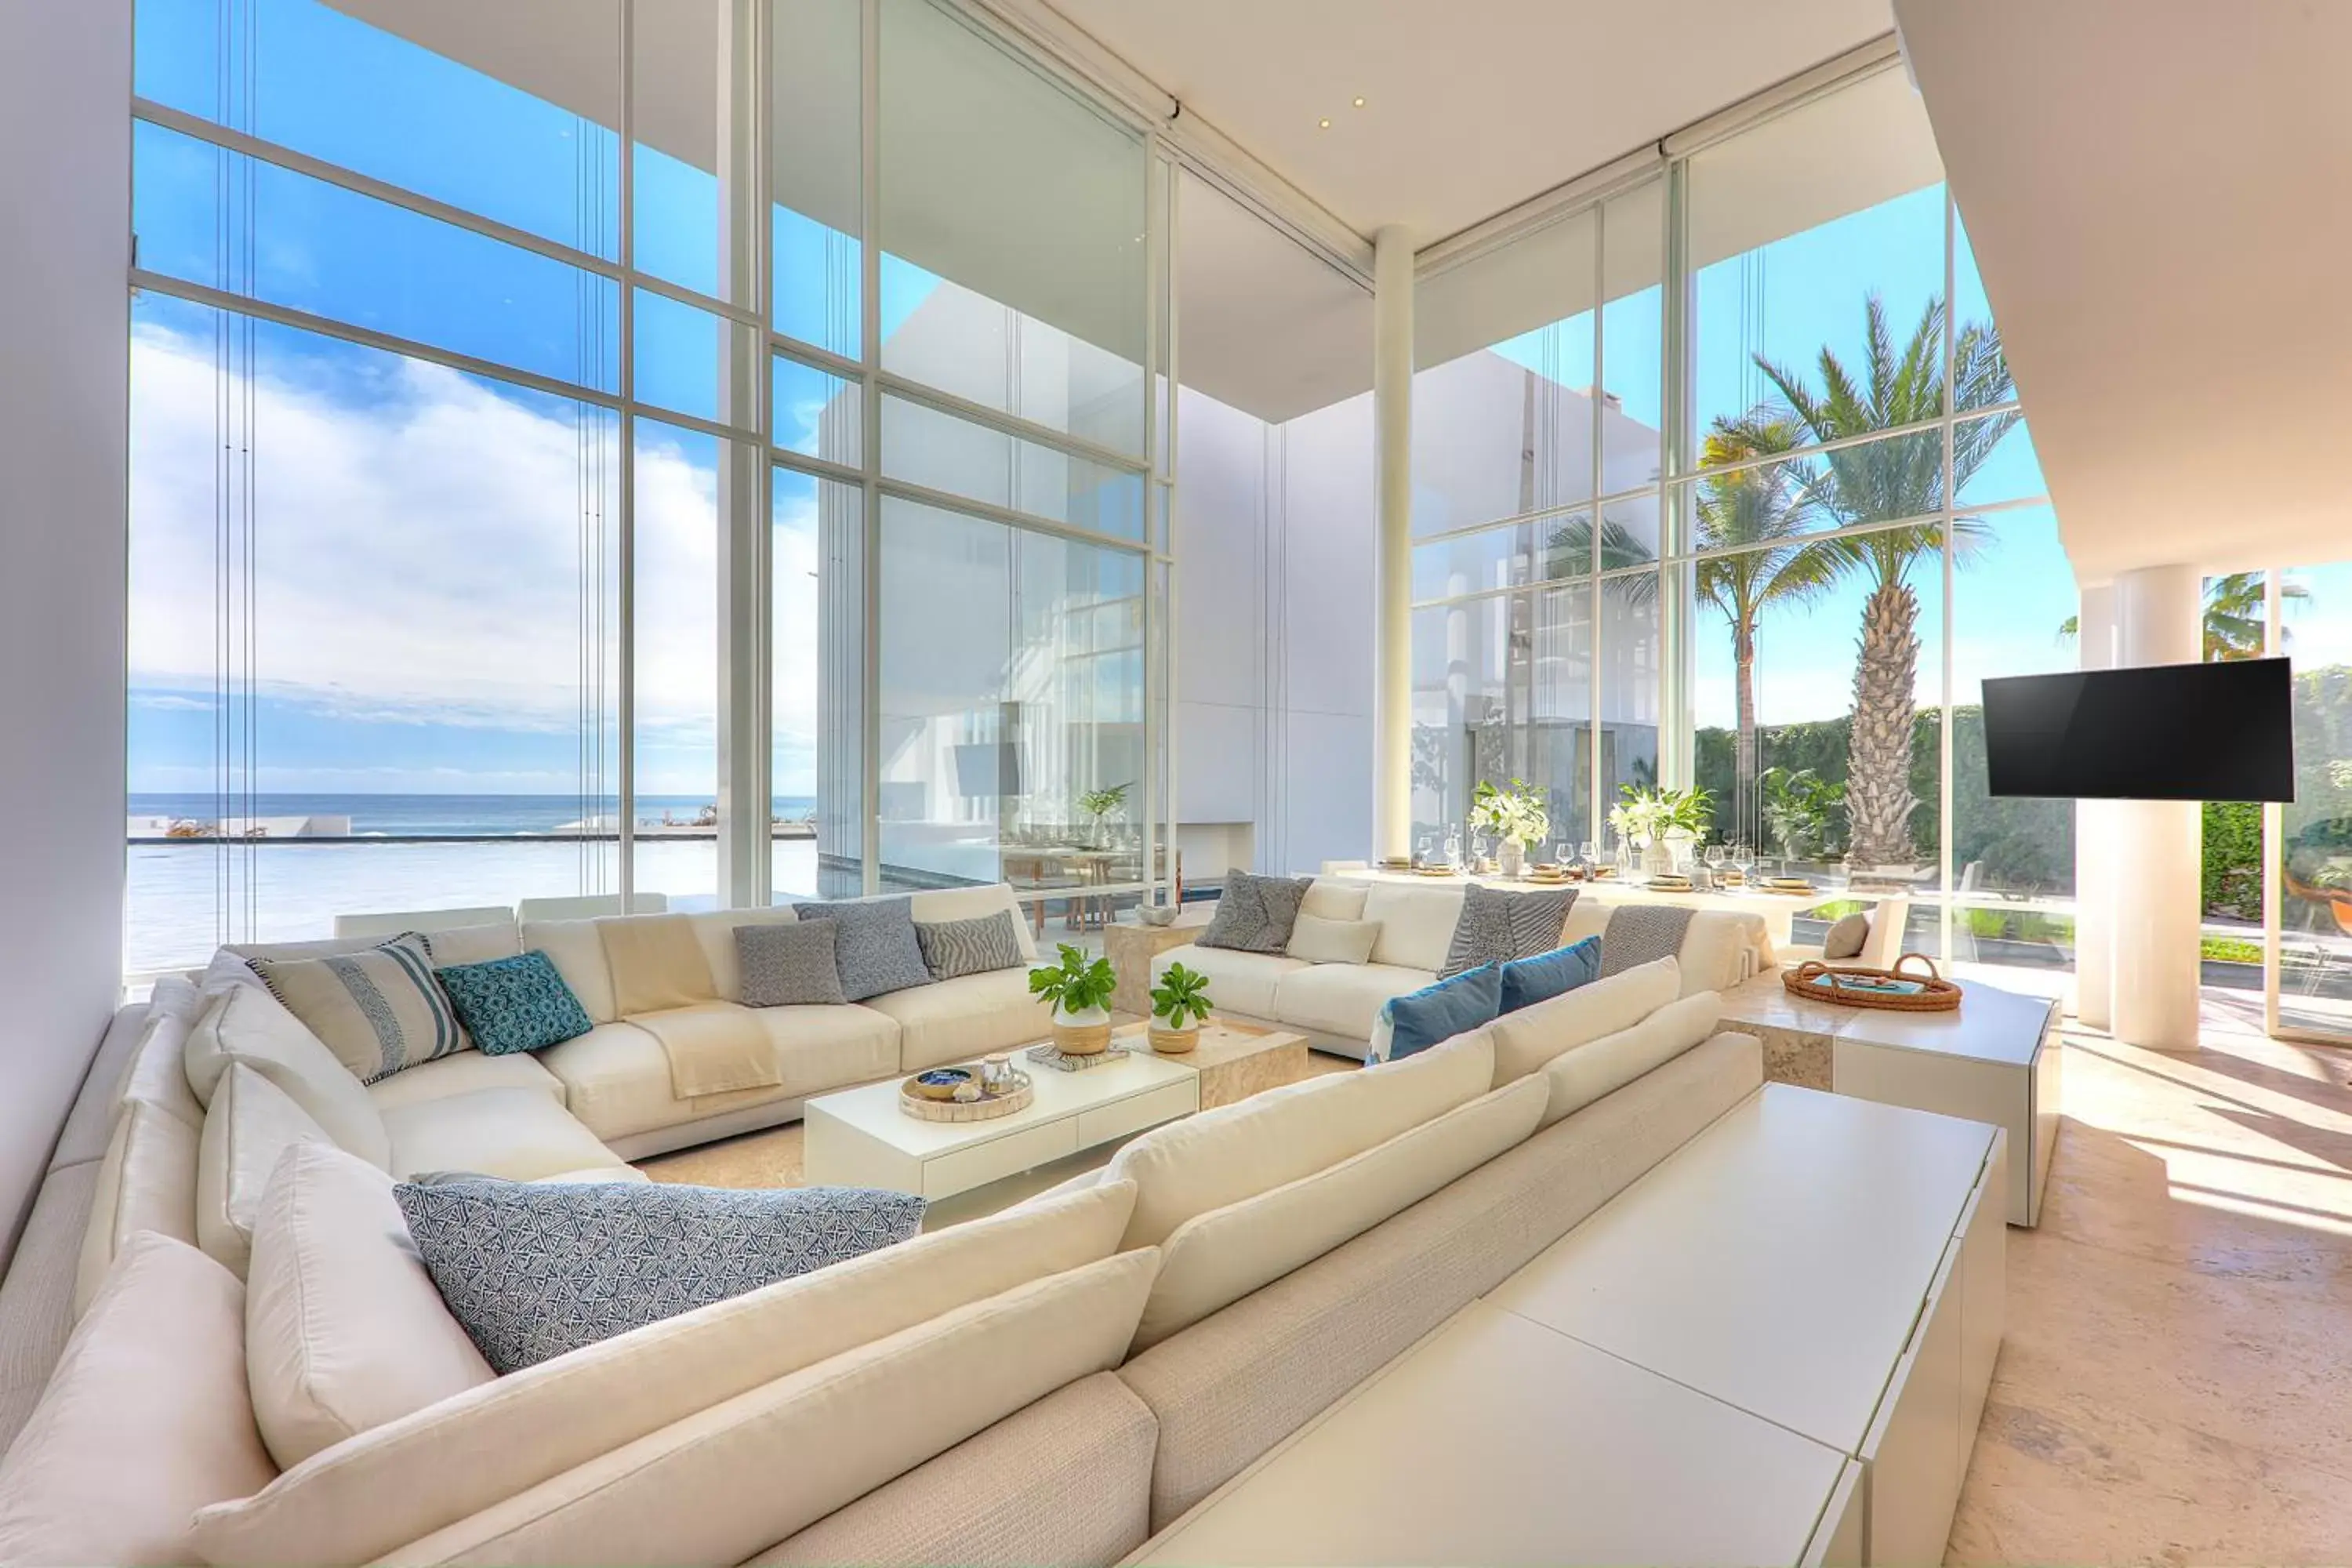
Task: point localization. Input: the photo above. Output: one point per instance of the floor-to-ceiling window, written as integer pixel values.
(551, 423)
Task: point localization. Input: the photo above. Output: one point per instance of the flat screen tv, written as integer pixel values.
(2168, 732)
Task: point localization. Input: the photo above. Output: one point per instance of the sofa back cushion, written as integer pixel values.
(944, 904)
(158, 1072)
(656, 963)
(146, 1181)
(144, 1421)
(1583, 1073)
(343, 1330)
(247, 1025)
(1238, 1150)
(1527, 1040)
(1416, 923)
(250, 1126)
(408, 1478)
(1216, 1259)
(728, 1481)
(577, 951)
(1335, 899)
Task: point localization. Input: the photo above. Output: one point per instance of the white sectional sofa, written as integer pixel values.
(1334, 1004)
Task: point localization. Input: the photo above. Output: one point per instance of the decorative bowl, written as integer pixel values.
(1156, 914)
(940, 1083)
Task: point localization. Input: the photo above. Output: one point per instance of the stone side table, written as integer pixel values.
(1234, 1060)
(1131, 949)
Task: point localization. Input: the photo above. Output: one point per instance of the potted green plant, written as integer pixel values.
(1515, 815)
(1663, 823)
(1079, 989)
(1180, 1006)
(1100, 805)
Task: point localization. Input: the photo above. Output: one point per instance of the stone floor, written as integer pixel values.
(2177, 1381)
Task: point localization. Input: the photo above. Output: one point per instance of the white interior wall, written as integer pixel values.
(65, 87)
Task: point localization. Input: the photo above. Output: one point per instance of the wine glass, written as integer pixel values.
(1743, 860)
(1715, 855)
(1588, 854)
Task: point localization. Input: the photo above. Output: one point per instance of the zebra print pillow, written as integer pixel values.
(970, 947)
(1496, 927)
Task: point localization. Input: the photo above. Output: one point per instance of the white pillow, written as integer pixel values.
(343, 1328)
(251, 1123)
(246, 1024)
(1238, 1150)
(146, 1181)
(144, 1421)
(1214, 1259)
(1321, 941)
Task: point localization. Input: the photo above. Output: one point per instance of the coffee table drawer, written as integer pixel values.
(1000, 1157)
(1136, 1112)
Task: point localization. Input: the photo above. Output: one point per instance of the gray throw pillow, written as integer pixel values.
(1254, 914)
(975, 946)
(532, 1270)
(1496, 927)
(789, 964)
(877, 949)
(1846, 938)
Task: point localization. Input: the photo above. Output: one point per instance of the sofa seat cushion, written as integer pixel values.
(1238, 982)
(246, 1024)
(344, 1330)
(145, 1420)
(616, 1077)
(1237, 1150)
(463, 1074)
(959, 1019)
(1416, 923)
(453, 1459)
(1342, 999)
(521, 1134)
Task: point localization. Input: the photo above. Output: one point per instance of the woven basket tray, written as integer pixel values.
(925, 1108)
(1823, 983)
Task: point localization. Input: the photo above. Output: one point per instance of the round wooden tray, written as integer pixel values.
(1821, 982)
(924, 1108)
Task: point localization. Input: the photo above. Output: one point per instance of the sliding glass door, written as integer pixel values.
(2308, 972)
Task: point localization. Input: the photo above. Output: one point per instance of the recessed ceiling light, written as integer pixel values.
(1323, 125)
(1359, 103)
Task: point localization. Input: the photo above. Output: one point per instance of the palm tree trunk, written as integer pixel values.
(1879, 801)
(1745, 822)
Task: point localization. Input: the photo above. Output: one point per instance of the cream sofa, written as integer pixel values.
(1334, 1004)
(1044, 1386)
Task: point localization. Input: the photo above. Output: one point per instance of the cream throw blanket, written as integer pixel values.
(661, 983)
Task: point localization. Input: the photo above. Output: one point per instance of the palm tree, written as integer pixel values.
(2234, 616)
(1766, 506)
(1888, 480)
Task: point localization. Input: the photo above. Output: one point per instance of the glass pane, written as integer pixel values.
(2315, 836)
(1508, 430)
(1502, 690)
(513, 122)
(924, 447)
(818, 646)
(316, 653)
(1789, 647)
(680, 639)
(817, 413)
(1822, 232)
(1633, 351)
(1875, 481)
(1632, 657)
(1011, 692)
(691, 361)
(1013, 215)
(2014, 609)
(815, 81)
(691, 183)
(229, 222)
(1994, 460)
(1512, 556)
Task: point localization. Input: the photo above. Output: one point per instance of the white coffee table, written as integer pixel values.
(859, 1138)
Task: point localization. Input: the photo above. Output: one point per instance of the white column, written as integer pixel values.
(2095, 931)
(1392, 449)
(745, 799)
(2156, 843)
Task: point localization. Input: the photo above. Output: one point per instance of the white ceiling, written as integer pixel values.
(2156, 193)
(1471, 106)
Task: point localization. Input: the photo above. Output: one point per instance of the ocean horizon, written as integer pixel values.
(392, 814)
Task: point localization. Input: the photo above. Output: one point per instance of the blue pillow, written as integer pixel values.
(1527, 980)
(517, 1004)
(1440, 1012)
(532, 1270)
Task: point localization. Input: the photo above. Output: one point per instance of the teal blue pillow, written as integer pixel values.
(1434, 1013)
(517, 1004)
(1527, 980)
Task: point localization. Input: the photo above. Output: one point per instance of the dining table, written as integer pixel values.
(1778, 910)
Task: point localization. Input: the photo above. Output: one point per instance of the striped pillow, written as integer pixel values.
(379, 1010)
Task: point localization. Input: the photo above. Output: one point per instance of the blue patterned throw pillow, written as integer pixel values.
(533, 1269)
(517, 1004)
